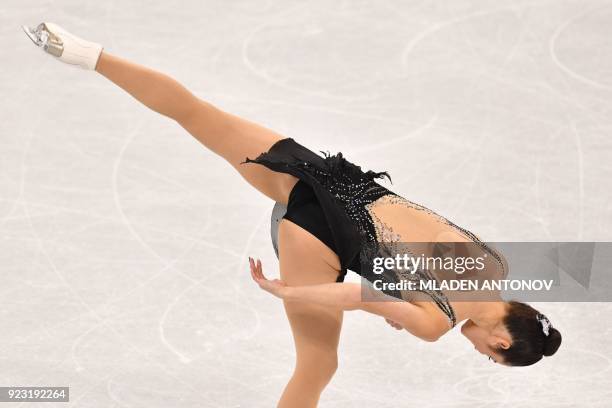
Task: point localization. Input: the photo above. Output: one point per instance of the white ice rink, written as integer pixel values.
(124, 242)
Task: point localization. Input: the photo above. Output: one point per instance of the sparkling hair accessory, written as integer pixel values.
(545, 323)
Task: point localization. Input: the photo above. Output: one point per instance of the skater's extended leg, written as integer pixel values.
(154, 89)
(227, 135)
(231, 137)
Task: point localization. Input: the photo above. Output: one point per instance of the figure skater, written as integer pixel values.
(327, 210)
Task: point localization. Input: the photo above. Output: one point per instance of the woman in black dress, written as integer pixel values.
(333, 211)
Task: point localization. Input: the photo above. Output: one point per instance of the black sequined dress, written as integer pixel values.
(347, 195)
(342, 189)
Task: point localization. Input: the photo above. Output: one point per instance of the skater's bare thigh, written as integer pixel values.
(235, 138)
(313, 255)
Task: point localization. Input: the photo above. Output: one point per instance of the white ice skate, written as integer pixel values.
(66, 47)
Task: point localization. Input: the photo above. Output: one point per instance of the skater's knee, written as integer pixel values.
(317, 370)
(192, 112)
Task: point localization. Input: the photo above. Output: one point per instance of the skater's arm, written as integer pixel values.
(344, 296)
(348, 296)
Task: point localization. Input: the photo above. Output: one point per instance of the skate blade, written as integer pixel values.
(31, 33)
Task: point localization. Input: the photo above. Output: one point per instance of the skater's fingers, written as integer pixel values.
(261, 274)
(394, 324)
(258, 270)
(254, 274)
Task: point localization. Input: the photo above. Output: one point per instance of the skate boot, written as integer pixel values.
(64, 46)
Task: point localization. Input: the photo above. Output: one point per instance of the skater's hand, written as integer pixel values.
(394, 324)
(275, 286)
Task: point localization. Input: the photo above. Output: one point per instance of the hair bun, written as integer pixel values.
(552, 342)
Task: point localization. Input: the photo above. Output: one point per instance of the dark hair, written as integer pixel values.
(529, 342)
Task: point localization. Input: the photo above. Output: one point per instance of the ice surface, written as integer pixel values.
(124, 243)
